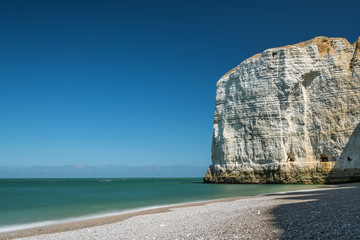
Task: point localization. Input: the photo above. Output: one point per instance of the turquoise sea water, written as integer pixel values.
(29, 201)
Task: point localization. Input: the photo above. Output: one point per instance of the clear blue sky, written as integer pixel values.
(132, 83)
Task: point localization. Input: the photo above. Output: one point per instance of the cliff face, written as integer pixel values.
(290, 115)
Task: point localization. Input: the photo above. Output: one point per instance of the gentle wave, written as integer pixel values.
(87, 217)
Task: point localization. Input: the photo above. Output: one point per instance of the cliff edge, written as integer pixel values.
(290, 115)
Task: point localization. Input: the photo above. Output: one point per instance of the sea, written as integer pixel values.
(26, 203)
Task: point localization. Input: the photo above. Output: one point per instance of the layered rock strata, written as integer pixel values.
(290, 115)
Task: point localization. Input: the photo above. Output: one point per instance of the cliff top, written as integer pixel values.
(323, 43)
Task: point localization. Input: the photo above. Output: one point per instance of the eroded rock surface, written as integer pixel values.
(290, 115)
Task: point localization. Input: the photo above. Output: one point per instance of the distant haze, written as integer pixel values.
(101, 171)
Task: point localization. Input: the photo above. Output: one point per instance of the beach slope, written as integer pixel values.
(329, 213)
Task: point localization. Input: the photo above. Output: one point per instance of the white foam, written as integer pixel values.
(9, 228)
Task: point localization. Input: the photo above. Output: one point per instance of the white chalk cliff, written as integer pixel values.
(290, 115)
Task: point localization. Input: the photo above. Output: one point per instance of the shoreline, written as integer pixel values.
(110, 218)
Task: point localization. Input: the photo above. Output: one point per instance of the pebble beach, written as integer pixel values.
(329, 213)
